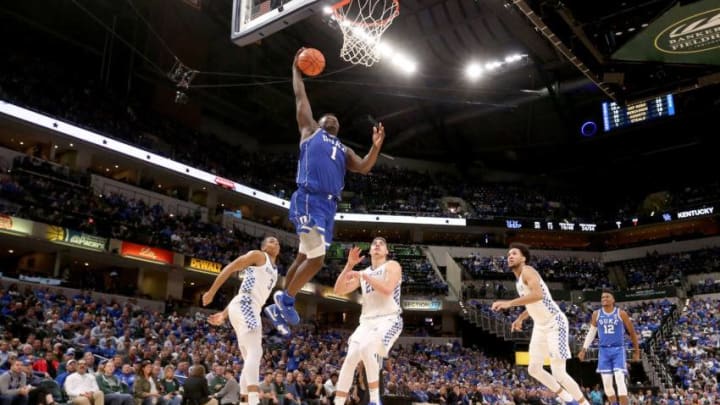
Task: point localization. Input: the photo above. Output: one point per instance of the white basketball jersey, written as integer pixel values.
(544, 311)
(258, 282)
(376, 304)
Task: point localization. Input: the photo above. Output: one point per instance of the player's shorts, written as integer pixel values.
(382, 332)
(244, 316)
(550, 340)
(611, 359)
(313, 211)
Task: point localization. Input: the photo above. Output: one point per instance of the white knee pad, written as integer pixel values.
(312, 244)
(607, 380)
(620, 381)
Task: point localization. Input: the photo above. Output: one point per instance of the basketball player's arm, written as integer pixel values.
(633, 335)
(590, 335)
(393, 274)
(364, 165)
(251, 258)
(349, 280)
(306, 123)
(532, 280)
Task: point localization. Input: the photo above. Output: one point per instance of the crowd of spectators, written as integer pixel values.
(691, 350)
(575, 273)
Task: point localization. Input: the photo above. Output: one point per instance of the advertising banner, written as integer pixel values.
(203, 266)
(688, 33)
(66, 236)
(147, 253)
(15, 226)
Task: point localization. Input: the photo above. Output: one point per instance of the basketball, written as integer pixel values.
(311, 62)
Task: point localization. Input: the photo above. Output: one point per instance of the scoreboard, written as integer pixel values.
(619, 116)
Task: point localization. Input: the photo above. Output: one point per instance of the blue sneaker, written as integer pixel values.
(273, 313)
(287, 311)
(573, 402)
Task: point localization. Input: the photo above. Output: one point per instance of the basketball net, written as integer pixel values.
(362, 23)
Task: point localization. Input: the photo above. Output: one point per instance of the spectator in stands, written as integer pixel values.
(82, 387)
(127, 376)
(230, 393)
(4, 352)
(116, 393)
(267, 392)
(315, 392)
(171, 386)
(196, 388)
(14, 389)
(146, 389)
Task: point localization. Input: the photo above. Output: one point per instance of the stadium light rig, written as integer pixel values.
(475, 69)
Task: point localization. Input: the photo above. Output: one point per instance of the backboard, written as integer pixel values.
(253, 20)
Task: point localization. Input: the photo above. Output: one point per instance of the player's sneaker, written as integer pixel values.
(375, 403)
(286, 307)
(273, 313)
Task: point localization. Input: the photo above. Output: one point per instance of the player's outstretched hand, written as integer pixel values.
(354, 257)
(500, 305)
(295, 59)
(378, 135)
(217, 318)
(207, 298)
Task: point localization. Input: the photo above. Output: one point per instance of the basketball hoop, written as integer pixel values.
(362, 23)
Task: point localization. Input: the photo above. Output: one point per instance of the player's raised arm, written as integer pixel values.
(349, 280)
(363, 165)
(306, 123)
(251, 258)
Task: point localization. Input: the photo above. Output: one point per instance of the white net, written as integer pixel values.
(362, 23)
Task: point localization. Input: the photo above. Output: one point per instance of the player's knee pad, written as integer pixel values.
(312, 244)
(607, 380)
(621, 386)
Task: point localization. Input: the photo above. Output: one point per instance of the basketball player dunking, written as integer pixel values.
(322, 164)
(550, 330)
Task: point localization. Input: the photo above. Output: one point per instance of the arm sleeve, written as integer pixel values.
(590, 337)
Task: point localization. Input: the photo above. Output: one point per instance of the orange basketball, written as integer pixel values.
(311, 62)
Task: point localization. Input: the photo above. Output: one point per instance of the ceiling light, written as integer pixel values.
(55, 146)
(473, 71)
(22, 143)
(72, 145)
(87, 264)
(327, 10)
(11, 251)
(631, 29)
(617, 34)
(192, 283)
(644, 25)
(117, 166)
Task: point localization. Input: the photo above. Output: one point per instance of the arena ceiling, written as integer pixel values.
(523, 117)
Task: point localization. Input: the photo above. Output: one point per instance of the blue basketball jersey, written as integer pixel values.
(321, 165)
(611, 329)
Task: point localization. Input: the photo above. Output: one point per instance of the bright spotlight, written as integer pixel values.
(327, 10)
(384, 49)
(404, 63)
(473, 71)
